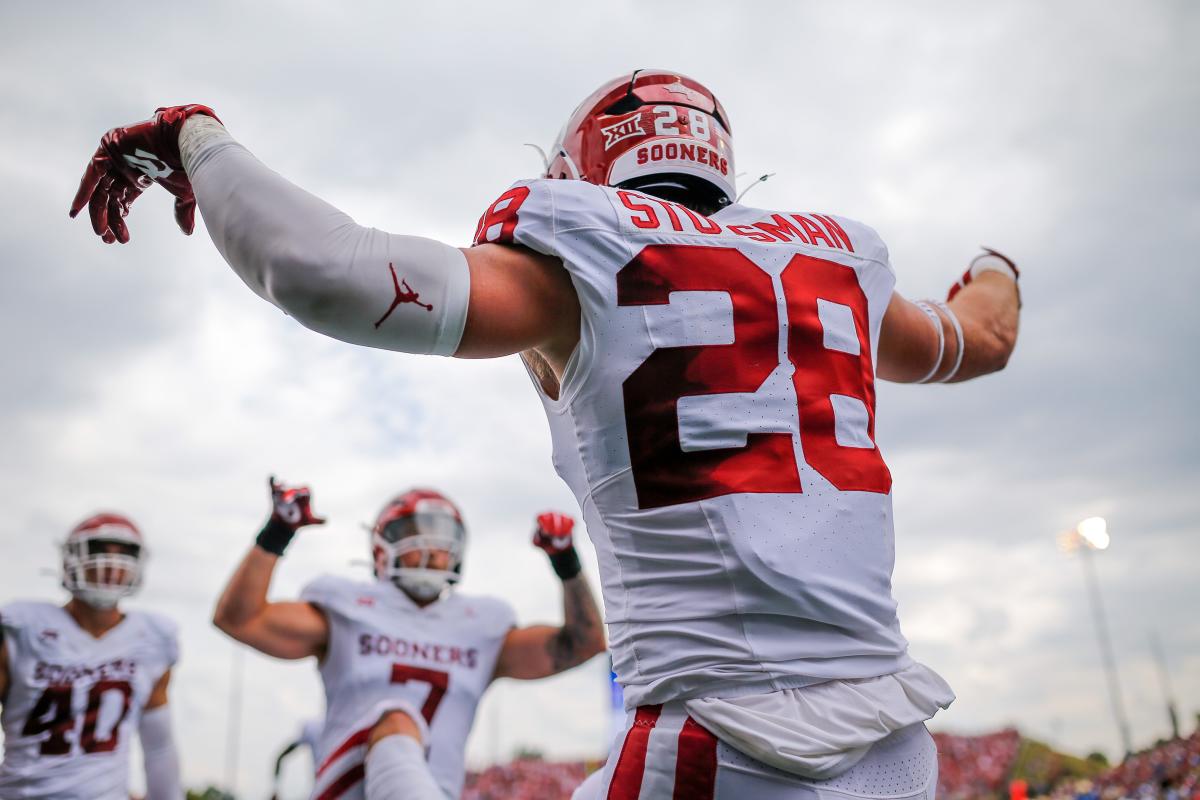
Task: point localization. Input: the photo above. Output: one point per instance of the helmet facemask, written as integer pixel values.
(421, 552)
(103, 564)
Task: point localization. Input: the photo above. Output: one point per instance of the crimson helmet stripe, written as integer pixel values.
(107, 521)
(405, 505)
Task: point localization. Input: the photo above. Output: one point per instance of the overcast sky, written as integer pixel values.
(148, 379)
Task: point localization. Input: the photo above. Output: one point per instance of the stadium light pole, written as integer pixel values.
(1090, 535)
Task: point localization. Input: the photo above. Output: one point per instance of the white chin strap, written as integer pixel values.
(99, 598)
(424, 584)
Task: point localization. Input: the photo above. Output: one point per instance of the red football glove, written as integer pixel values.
(128, 160)
(292, 506)
(990, 261)
(553, 532)
(291, 510)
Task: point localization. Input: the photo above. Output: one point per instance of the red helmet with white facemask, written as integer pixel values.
(656, 131)
(419, 521)
(102, 560)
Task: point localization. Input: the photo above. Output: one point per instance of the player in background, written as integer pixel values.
(77, 682)
(404, 659)
(308, 739)
(708, 370)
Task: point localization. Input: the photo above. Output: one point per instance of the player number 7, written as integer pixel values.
(438, 682)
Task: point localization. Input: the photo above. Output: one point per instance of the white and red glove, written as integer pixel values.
(291, 510)
(988, 261)
(553, 534)
(131, 158)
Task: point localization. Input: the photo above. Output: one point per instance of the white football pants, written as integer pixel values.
(666, 755)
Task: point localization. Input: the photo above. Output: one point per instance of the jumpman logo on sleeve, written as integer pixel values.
(406, 295)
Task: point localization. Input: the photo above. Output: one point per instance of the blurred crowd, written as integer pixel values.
(526, 779)
(1170, 771)
(969, 768)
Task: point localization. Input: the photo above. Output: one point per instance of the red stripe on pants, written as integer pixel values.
(342, 785)
(627, 777)
(696, 764)
(354, 740)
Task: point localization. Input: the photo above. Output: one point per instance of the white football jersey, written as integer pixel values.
(75, 701)
(384, 649)
(716, 424)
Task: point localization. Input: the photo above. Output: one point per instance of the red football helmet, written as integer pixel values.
(653, 130)
(103, 558)
(424, 521)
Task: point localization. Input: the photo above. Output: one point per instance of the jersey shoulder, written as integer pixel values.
(335, 593)
(21, 615)
(161, 631)
(535, 213)
(495, 614)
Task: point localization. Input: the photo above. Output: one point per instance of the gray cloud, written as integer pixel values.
(147, 378)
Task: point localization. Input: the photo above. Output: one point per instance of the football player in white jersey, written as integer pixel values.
(77, 682)
(404, 659)
(708, 370)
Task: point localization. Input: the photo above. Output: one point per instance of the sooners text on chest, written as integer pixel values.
(119, 669)
(379, 644)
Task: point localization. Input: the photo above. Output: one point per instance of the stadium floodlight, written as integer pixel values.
(1094, 531)
(1089, 536)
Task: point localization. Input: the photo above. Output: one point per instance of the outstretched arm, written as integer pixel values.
(284, 630)
(919, 342)
(540, 651)
(353, 283)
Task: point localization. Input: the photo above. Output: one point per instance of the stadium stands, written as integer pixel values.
(970, 768)
(526, 779)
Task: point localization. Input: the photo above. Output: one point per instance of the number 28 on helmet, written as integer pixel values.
(654, 131)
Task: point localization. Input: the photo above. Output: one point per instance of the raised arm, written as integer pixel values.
(540, 651)
(973, 334)
(284, 630)
(353, 283)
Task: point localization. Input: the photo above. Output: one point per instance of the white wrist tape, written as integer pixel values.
(958, 333)
(937, 326)
(354, 283)
(992, 262)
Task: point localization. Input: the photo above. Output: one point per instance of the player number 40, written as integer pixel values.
(52, 714)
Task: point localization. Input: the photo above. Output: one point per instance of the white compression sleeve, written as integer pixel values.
(353, 283)
(162, 761)
(396, 770)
